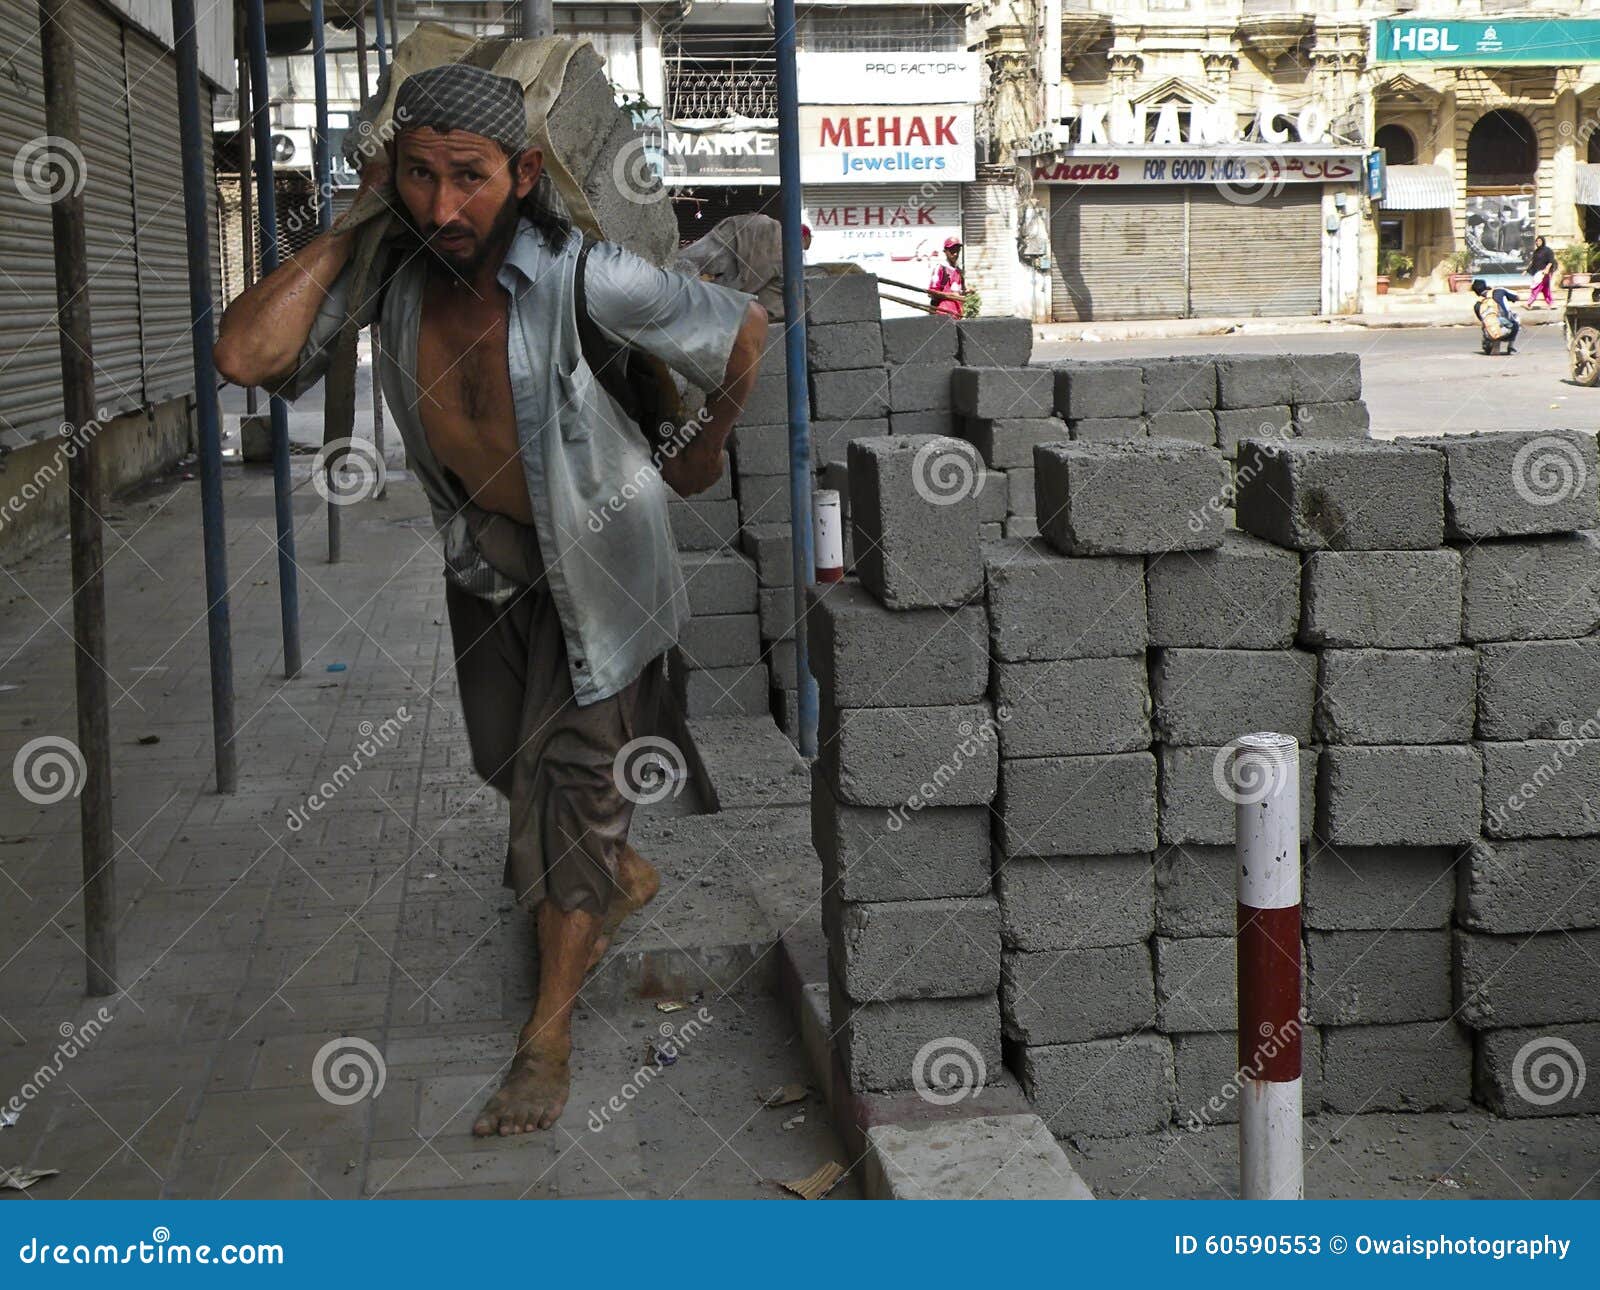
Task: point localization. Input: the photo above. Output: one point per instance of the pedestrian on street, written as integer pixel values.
(502, 374)
(1500, 301)
(1542, 267)
(949, 285)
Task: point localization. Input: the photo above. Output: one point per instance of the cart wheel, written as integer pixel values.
(1488, 345)
(1586, 356)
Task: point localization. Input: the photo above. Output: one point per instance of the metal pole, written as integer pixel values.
(282, 485)
(84, 485)
(207, 418)
(322, 173)
(372, 329)
(378, 37)
(247, 227)
(794, 339)
(1264, 779)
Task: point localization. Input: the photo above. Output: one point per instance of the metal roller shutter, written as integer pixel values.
(1117, 253)
(988, 237)
(1256, 259)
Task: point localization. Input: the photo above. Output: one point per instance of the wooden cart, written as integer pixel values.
(1582, 324)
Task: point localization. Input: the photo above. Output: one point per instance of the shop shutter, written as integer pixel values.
(1255, 259)
(1117, 253)
(989, 240)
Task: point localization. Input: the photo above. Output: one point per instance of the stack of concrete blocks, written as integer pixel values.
(907, 767)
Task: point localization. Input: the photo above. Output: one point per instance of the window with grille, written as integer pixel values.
(720, 72)
(935, 29)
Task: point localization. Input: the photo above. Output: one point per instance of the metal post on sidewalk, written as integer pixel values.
(208, 420)
(794, 340)
(247, 230)
(1264, 779)
(57, 18)
(282, 484)
(378, 38)
(322, 176)
(372, 328)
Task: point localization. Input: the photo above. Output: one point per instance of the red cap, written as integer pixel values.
(952, 244)
(805, 230)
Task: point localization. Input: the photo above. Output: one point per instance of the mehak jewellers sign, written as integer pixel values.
(886, 145)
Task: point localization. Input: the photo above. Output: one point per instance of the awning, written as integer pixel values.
(1421, 188)
(1588, 185)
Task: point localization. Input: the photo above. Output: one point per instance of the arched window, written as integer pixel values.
(1502, 151)
(1399, 147)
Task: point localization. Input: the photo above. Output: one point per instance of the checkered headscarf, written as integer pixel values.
(457, 96)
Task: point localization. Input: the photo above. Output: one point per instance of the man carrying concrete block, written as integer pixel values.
(519, 437)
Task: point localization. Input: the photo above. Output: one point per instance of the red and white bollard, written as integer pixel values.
(829, 535)
(1266, 781)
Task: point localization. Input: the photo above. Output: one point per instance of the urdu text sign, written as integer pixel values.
(1547, 42)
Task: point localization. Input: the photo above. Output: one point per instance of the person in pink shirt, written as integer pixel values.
(949, 286)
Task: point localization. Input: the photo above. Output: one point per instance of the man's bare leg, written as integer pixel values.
(638, 883)
(535, 1092)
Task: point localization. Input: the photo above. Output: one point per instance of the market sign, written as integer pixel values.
(886, 145)
(706, 152)
(1236, 168)
(1544, 41)
(888, 78)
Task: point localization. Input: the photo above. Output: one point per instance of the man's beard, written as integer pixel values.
(465, 264)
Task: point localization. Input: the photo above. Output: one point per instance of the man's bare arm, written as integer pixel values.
(699, 465)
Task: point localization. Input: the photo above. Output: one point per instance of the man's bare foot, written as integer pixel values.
(639, 883)
(533, 1096)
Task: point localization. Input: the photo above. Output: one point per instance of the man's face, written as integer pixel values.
(951, 253)
(461, 193)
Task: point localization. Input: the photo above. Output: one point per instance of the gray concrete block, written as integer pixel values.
(1422, 1066)
(1042, 606)
(1108, 429)
(1325, 378)
(841, 298)
(1519, 485)
(1382, 599)
(719, 582)
(720, 640)
(1093, 390)
(867, 656)
(703, 526)
(908, 423)
(1194, 427)
(1352, 889)
(1025, 527)
(850, 396)
(881, 1042)
(830, 440)
(1377, 978)
(775, 610)
(769, 545)
(1182, 383)
(991, 532)
(780, 659)
(1542, 788)
(1103, 1088)
(1244, 594)
(1250, 381)
(1072, 707)
(1210, 1082)
(1400, 796)
(1196, 984)
(1194, 809)
(1396, 696)
(914, 520)
(1197, 891)
(1077, 806)
(721, 691)
(930, 338)
(1009, 442)
(1531, 885)
(761, 449)
(1077, 902)
(1212, 696)
(870, 855)
(994, 342)
(768, 401)
(921, 387)
(845, 346)
(942, 756)
(1537, 689)
(763, 499)
(1521, 1073)
(988, 1157)
(1022, 488)
(1533, 589)
(1067, 996)
(1341, 495)
(1134, 497)
(1504, 981)
(1273, 423)
(993, 492)
(1331, 421)
(993, 393)
(916, 949)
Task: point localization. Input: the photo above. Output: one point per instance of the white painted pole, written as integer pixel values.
(1264, 783)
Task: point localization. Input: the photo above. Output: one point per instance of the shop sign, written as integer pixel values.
(888, 78)
(1542, 41)
(1228, 168)
(898, 233)
(1123, 123)
(716, 152)
(886, 145)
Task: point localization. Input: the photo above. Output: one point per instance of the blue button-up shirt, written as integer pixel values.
(599, 503)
